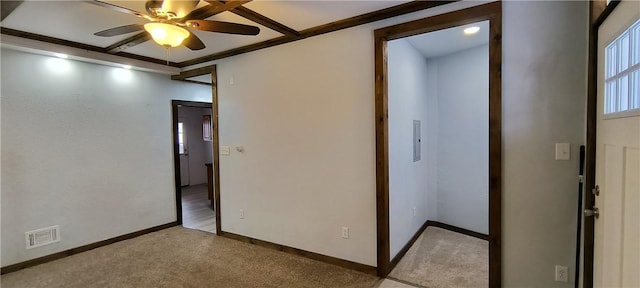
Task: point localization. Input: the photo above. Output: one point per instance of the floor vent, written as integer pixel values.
(44, 236)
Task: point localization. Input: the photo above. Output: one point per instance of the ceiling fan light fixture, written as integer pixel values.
(166, 34)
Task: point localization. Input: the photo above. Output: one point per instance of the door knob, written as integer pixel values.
(592, 212)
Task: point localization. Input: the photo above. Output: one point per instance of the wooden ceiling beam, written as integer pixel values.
(264, 21)
(214, 8)
(72, 44)
(322, 29)
(6, 7)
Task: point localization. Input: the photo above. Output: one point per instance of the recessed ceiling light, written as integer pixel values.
(126, 66)
(471, 30)
(60, 55)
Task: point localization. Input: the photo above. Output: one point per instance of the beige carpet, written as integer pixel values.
(180, 257)
(442, 258)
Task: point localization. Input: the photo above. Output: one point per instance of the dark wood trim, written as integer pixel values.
(382, 156)
(176, 160)
(598, 14)
(175, 104)
(493, 13)
(590, 167)
(264, 21)
(407, 246)
(228, 53)
(322, 29)
(7, 7)
(307, 254)
(214, 8)
(606, 12)
(458, 230)
(193, 81)
(57, 41)
(84, 248)
(495, 145)
(193, 73)
(216, 149)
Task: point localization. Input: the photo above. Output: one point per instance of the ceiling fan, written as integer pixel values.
(169, 20)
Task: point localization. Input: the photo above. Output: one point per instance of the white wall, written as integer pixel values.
(544, 92)
(86, 147)
(200, 151)
(310, 123)
(408, 181)
(450, 95)
(463, 138)
(308, 130)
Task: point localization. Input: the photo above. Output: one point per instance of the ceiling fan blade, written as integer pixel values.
(6, 7)
(193, 42)
(223, 27)
(120, 30)
(115, 7)
(214, 8)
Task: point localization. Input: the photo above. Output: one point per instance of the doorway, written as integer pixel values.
(490, 13)
(194, 144)
(438, 171)
(611, 249)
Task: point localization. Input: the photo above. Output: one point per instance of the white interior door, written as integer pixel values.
(617, 229)
(184, 154)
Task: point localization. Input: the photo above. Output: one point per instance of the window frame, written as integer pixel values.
(616, 75)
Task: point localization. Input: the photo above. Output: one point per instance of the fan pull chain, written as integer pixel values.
(168, 54)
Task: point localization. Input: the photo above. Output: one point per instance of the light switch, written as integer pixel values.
(563, 151)
(225, 150)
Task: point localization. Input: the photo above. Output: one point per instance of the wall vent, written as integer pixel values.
(44, 236)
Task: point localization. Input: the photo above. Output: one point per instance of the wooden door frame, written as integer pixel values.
(493, 13)
(598, 13)
(216, 148)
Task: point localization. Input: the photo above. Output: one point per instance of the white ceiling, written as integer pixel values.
(443, 42)
(77, 21)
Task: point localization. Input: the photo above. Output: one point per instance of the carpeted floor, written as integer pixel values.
(442, 258)
(179, 257)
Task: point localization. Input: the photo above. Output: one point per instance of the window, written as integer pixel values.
(181, 138)
(206, 128)
(622, 72)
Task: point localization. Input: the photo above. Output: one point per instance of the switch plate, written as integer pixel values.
(563, 151)
(345, 232)
(225, 150)
(562, 273)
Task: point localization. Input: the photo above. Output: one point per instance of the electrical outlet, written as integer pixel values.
(345, 232)
(415, 212)
(241, 214)
(562, 273)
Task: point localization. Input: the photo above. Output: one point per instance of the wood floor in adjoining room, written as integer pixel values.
(443, 258)
(196, 209)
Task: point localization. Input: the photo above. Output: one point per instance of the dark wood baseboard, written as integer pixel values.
(62, 254)
(458, 229)
(406, 247)
(311, 255)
